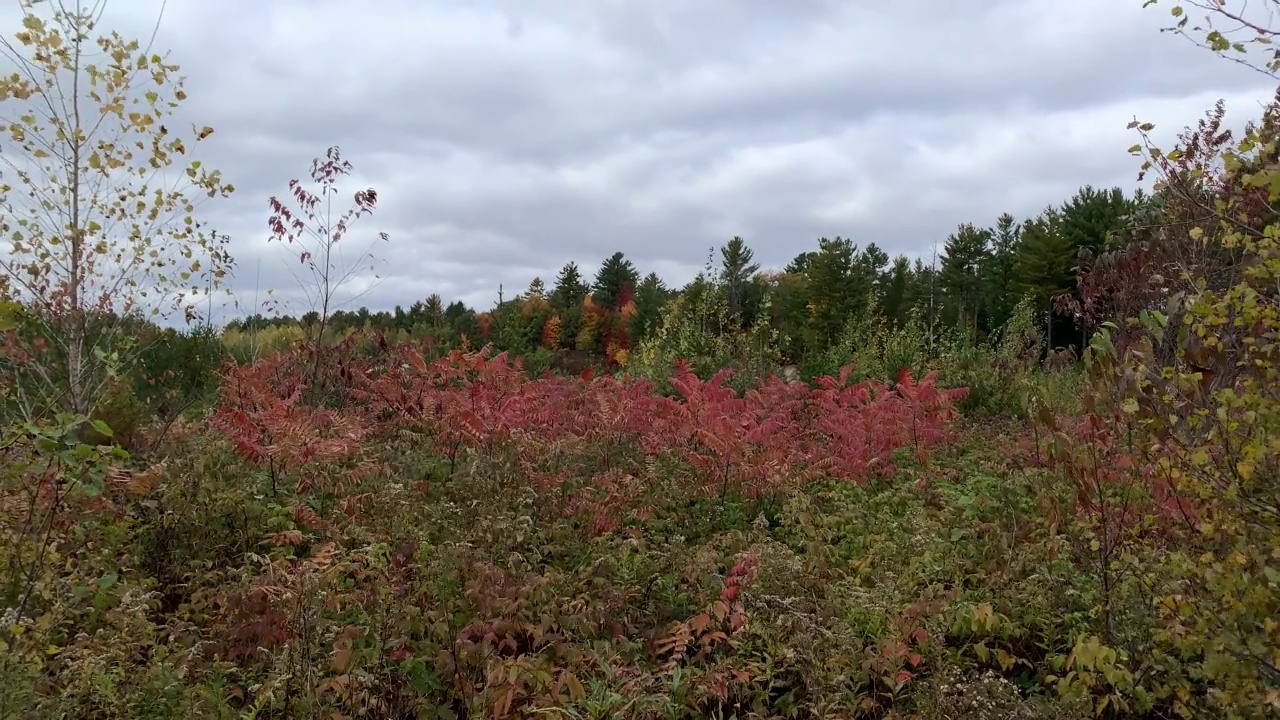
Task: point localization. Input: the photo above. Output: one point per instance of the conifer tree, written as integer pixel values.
(1092, 216)
(616, 277)
(737, 267)
(1044, 262)
(998, 273)
(894, 302)
(831, 292)
(651, 297)
(960, 276)
(569, 288)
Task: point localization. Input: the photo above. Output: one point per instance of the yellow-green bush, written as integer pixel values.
(702, 331)
(249, 345)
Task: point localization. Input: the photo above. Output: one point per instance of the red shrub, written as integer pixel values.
(592, 445)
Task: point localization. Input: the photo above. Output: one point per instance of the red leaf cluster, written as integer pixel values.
(603, 447)
(1120, 487)
(262, 412)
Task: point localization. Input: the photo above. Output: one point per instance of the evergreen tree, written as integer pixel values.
(871, 275)
(737, 267)
(415, 312)
(788, 293)
(566, 300)
(569, 288)
(519, 323)
(434, 313)
(895, 301)
(831, 297)
(651, 297)
(616, 277)
(454, 312)
(360, 317)
(800, 264)
(1091, 216)
(537, 290)
(922, 293)
(998, 274)
(1043, 263)
(960, 276)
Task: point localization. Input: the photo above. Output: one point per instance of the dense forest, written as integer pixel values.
(1034, 475)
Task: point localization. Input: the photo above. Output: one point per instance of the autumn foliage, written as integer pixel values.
(637, 448)
(346, 524)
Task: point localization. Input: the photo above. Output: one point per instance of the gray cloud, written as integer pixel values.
(507, 137)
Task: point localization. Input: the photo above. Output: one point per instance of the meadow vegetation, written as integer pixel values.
(854, 488)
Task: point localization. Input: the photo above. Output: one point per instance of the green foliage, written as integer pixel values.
(176, 372)
(876, 349)
(1205, 420)
(1227, 29)
(1044, 258)
(1003, 372)
(453, 540)
(1091, 217)
(966, 253)
(9, 313)
(700, 328)
(737, 269)
(54, 583)
(895, 304)
(998, 276)
(569, 288)
(615, 281)
(250, 344)
(651, 298)
(834, 292)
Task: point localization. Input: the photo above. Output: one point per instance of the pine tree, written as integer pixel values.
(960, 277)
(537, 290)
(1091, 216)
(1044, 262)
(831, 285)
(569, 288)
(998, 273)
(788, 294)
(651, 297)
(433, 310)
(895, 301)
(872, 275)
(922, 290)
(736, 270)
(616, 276)
(799, 265)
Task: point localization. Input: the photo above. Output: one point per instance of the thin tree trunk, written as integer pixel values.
(76, 325)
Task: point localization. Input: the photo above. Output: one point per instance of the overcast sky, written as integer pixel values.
(506, 137)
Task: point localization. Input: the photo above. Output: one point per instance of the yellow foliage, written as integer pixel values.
(533, 306)
(1207, 415)
(257, 342)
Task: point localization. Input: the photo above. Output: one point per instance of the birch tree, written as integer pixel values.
(97, 197)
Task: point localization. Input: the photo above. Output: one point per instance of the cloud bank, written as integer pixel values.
(506, 137)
